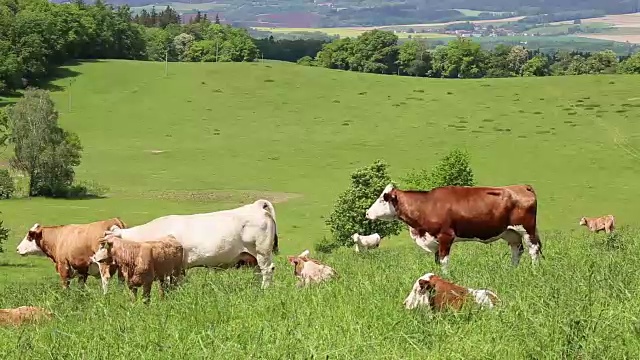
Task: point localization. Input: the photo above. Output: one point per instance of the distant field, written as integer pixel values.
(344, 32)
(563, 29)
(235, 132)
(469, 12)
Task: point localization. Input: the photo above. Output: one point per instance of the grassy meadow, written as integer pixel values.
(214, 136)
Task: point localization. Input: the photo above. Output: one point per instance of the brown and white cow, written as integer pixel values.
(70, 247)
(309, 270)
(24, 314)
(444, 215)
(439, 294)
(142, 262)
(596, 224)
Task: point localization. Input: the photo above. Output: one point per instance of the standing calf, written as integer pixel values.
(433, 291)
(23, 314)
(142, 262)
(366, 241)
(596, 224)
(310, 270)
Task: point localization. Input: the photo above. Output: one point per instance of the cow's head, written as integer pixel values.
(298, 262)
(583, 221)
(354, 237)
(30, 244)
(384, 208)
(103, 253)
(419, 295)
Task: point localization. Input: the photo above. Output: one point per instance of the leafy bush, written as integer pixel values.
(453, 169)
(4, 235)
(7, 188)
(348, 214)
(306, 61)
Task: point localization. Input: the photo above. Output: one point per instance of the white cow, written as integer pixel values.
(217, 239)
(366, 241)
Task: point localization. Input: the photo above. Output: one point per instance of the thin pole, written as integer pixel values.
(166, 63)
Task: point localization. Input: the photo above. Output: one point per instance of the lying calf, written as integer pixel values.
(142, 262)
(310, 270)
(595, 224)
(366, 241)
(433, 291)
(23, 314)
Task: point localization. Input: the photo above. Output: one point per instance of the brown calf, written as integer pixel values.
(143, 262)
(69, 246)
(23, 314)
(309, 270)
(596, 224)
(440, 294)
(444, 215)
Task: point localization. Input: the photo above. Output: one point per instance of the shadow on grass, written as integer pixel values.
(15, 265)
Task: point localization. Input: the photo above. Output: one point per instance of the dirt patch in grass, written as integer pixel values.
(225, 196)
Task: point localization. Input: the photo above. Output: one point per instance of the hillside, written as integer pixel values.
(217, 135)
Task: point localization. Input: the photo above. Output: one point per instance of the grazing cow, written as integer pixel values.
(309, 270)
(444, 215)
(142, 262)
(597, 224)
(437, 293)
(23, 314)
(245, 235)
(70, 247)
(366, 241)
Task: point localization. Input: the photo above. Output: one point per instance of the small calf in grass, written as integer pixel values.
(142, 262)
(309, 270)
(366, 241)
(596, 224)
(437, 293)
(23, 314)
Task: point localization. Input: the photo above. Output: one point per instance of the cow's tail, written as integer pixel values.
(266, 205)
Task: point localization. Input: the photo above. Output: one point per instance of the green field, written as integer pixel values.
(343, 32)
(234, 132)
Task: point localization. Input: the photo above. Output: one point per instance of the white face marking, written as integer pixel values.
(28, 246)
(381, 209)
(415, 298)
(101, 254)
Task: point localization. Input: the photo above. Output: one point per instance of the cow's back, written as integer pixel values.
(76, 243)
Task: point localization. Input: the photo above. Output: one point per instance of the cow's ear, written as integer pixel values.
(292, 259)
(390, 197)
(35, 234)
(425, 284)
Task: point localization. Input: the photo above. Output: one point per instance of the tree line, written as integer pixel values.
(36, 36)
(378, 51)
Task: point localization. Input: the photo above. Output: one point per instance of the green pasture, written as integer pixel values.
(213, 136)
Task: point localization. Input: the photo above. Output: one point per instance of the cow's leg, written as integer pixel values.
(514, 239)
(445, 240)
(63, 271)
(82, 278)
(357, 248)
(134, 292)
(163, 287)
(532, 240)
(105, 274)
(146, 291)
(266, 266)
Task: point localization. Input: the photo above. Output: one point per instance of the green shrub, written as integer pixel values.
(7, 187)
(348, 214)
(453, 169)
(4, 235)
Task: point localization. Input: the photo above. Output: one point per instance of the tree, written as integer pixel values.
(181, 45)
(603, 62)
(7, 186)
(414, 58)
(453, 169)
(4, 235)
(630, 65)
(217, 19)
(43, 150)
(518, 56)
(461, 58)
(347, 216)
(536, 66)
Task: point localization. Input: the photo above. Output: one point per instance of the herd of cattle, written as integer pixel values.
(164, 248)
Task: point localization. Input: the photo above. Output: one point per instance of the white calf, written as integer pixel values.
(366, 241)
